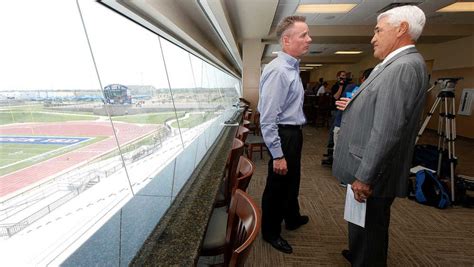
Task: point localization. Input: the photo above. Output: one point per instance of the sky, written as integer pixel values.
(44, 46)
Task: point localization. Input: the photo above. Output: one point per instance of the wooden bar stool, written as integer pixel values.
(236, 236)
(242, 133)
(223, 197)
(213, 242)
(254, 143)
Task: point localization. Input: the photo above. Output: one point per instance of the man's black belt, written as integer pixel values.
(290, 126)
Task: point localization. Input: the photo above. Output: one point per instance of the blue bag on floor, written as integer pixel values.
(430, 191)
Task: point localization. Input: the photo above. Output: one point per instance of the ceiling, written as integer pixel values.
(218, 28)
(353, 30)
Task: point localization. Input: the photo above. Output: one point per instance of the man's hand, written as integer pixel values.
(341, 104)
(361, 191)
(339, 91)
(279, 166)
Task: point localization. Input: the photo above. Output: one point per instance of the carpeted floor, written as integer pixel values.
(419, 235)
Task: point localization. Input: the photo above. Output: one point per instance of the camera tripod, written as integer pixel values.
(446, 125)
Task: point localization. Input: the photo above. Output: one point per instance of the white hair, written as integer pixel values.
(413, 15)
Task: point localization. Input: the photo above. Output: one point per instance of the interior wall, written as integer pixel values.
(329, 72)
(464, 124)
(454, 54)
(251, 54)
(451, 59)
(304, 75)
(368, 62)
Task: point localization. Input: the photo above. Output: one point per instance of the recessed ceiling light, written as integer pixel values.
(458, 7)
(275, 52)
(313, 65)
(325, 8)
(348, 52)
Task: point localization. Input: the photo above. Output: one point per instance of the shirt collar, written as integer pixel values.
(289, 59)
(391, 55)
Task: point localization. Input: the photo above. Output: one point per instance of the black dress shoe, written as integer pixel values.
(302, 220)
(280, 244)
(347, 255)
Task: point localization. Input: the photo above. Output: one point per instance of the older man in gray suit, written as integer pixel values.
(378, 131)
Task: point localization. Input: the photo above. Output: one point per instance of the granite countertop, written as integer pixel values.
(177, 238)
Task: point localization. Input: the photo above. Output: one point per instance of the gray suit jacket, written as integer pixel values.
(379, 126)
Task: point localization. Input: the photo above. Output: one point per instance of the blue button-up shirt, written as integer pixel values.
(281, 99)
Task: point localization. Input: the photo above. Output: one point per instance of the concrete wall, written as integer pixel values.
(252, 53)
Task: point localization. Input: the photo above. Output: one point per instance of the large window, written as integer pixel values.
(101, 124)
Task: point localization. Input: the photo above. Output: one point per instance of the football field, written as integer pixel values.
(17, 152)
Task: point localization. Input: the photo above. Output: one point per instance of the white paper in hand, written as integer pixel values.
(354, 211)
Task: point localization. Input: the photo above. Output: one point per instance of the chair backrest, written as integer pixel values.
(309, 100)
(325, 101)
(245, 170)
(242, 133)
(247, 115)
(256, 119)
(233, 162)
(245, 107)
(243, 224)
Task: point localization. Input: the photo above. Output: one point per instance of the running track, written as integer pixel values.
(38, 173)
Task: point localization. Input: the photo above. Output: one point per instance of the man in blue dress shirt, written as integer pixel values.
(281, 120)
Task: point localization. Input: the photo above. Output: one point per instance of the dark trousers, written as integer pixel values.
(369, 245)
(330, 144)
(280, 197)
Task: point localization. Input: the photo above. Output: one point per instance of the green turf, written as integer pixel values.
(15, 153)
(41, 108)
(10, 153)
(193, 120)
(32, 107)
(148, 118)
(17, 116)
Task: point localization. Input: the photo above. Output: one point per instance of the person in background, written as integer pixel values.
(346, 96)
(342, 103)
(378, 130)
(317, 85)
(340, 85)
(323, 89)
(336, 91)
(281, 120)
